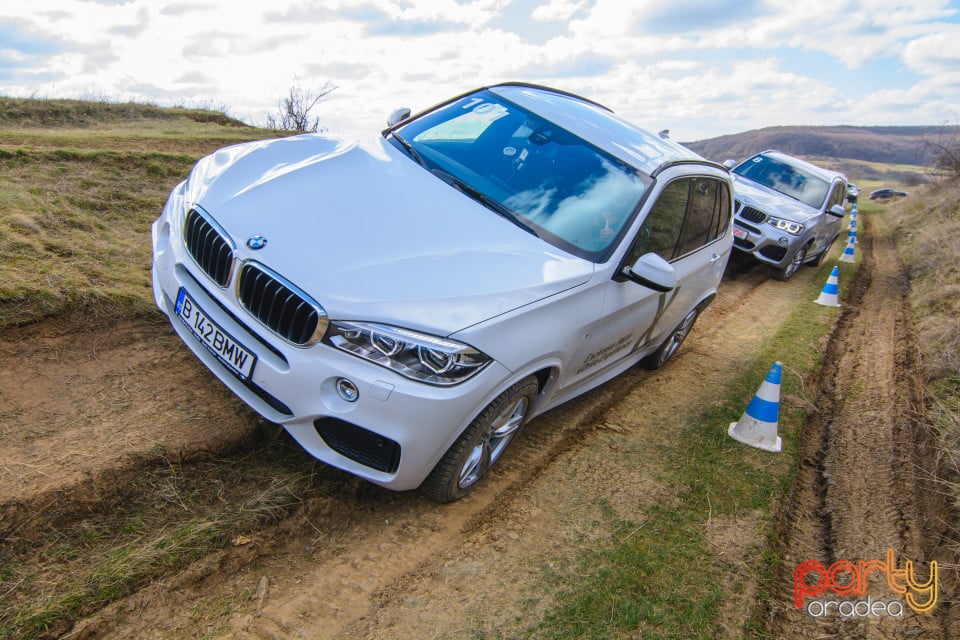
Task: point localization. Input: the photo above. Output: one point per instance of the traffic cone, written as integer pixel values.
(852, 236)
(757, 426)
(853, 224)
(847, 253)
(829, 295)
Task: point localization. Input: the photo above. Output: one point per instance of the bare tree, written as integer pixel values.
(294, 112)
(945, 150)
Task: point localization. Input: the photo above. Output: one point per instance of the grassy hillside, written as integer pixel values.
(60, 114)
(80, 184)
(928, 240)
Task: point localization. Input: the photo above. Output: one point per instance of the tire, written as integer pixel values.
(816, 262)
(669, 348)
(481, 444)
(788, 271)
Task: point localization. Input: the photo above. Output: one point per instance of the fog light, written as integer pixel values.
(783, 242)
(347, 390)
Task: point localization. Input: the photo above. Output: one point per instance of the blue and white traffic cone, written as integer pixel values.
(829, 297)
(847, 253)
(853, 224)
(852, 236)
(757, 426)
(853, 209)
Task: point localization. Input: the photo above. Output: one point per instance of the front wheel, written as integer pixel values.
(670, 346)
(480, 446)
(787, 272)
(816, 262)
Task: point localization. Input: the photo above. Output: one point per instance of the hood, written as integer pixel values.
(371, 235)
(771, 202)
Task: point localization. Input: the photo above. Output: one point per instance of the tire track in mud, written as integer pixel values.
(864, 485)
(84, 410)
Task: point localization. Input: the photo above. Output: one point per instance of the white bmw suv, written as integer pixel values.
(404, 304)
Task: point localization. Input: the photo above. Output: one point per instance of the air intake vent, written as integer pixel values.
(280, 306)
(366, 447)
(209, 246)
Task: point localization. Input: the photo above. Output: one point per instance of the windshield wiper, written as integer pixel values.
(409, 149)
(484, 199)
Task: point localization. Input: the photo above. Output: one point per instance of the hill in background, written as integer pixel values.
(880, 154)
(892, 145)
(56, 114)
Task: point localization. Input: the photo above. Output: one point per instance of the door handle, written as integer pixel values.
(714, 258)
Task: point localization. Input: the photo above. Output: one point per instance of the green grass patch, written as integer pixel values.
(657, 575)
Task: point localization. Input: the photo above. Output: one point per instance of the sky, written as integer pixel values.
(700, 68)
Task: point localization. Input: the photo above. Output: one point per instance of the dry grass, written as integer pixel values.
(930, 243)
(929, 232)
(77, 201)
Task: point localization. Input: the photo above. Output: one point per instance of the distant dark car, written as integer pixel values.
(852, 192)
(887, 194)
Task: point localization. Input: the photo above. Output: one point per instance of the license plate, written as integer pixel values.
(739, 233)
(230, 352)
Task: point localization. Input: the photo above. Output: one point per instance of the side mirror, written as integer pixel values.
(729, 163)
(837, 210)
(653, 272)
(398, 116)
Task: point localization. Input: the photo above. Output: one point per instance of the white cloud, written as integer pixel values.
(935, 53)
(557, 10)
(699, 68)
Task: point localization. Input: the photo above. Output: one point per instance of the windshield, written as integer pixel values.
(788, 179)
(549, 181)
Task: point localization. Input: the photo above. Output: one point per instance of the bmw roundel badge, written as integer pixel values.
(256, 242)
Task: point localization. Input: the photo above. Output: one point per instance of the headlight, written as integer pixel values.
(793, 228)
(416, 355)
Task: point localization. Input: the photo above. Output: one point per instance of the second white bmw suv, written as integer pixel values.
(788, 211)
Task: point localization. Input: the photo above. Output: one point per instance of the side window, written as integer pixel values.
(723, 211)
(661, 228)
(690, 213)
(701, 220)
(839, 195)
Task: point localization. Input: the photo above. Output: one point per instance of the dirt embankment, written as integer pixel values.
(85, 412)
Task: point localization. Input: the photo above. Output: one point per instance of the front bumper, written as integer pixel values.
(765, 242)
(393, 434)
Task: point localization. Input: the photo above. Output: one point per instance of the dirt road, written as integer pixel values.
(88, 412)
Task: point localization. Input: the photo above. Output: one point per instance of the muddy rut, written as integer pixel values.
(866, 489)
